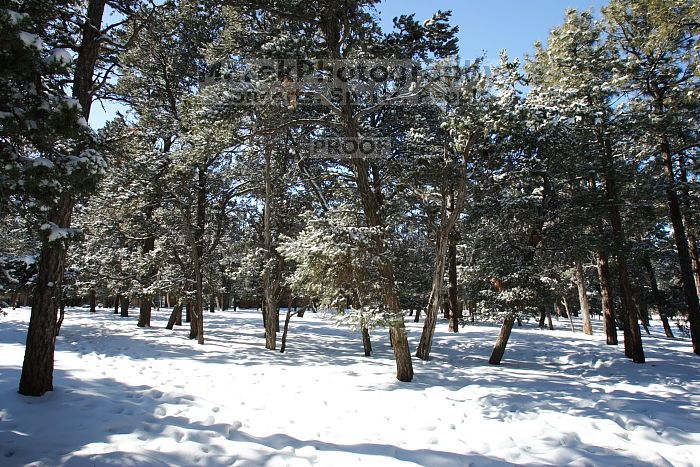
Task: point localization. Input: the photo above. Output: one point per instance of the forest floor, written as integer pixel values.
(128, 396)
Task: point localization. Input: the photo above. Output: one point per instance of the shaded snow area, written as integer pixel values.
(128, 396)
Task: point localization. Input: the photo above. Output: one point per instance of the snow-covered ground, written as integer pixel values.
(128, 396)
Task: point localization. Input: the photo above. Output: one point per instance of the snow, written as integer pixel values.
(61, 56)
(56, 232)
(16, 17)
(129, 396)
(41, 162)
(31, 40)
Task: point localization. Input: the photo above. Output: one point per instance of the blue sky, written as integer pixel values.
(486, 26)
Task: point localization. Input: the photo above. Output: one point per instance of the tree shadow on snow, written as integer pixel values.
(106, 422)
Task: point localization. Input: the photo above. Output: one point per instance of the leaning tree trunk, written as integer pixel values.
(175, 317)
(448, 222)
(690, 290)
(661, 304)
(583, 299)
(283, 345)
(37, 368)
(426, 338)
(607, 299)
(569, 314)
(500, 348)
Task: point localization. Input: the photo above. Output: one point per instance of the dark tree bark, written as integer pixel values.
(661, 305)
(37, 368)
(93, 301)
(417, 317)
(442, 240)
(583, 299)
(145, 312)
(607, 300)
(117, 301)
(366, 342)
(633, 336)
(689, 221)
(283, 345)
(543, 317)
(500, 348)
(61, 315)
(644, 313)
(690, 290)
(270, 303)
(175, 317)
(548, 313)
(188, 311)
(124, 306)
(145, 300)
(455, 308)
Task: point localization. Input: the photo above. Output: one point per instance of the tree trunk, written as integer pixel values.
(548, 313)
(690, 290)
(61, 315)
(417, 317)
(175, 317)
(426, 338)
(661, 304)
(644, 313)
(455, 309)
(188, 311)
(366, 342)
(500, 348)
(93, 301)
(607, 300)
(568, 313)
(117, 301)
(283, 345)
(37, 368)
(583, 299)
(543, 317)
(270, 305)
(688, 219)
(694, 261)
(371, 198)
(124, 306)
(144, 312)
